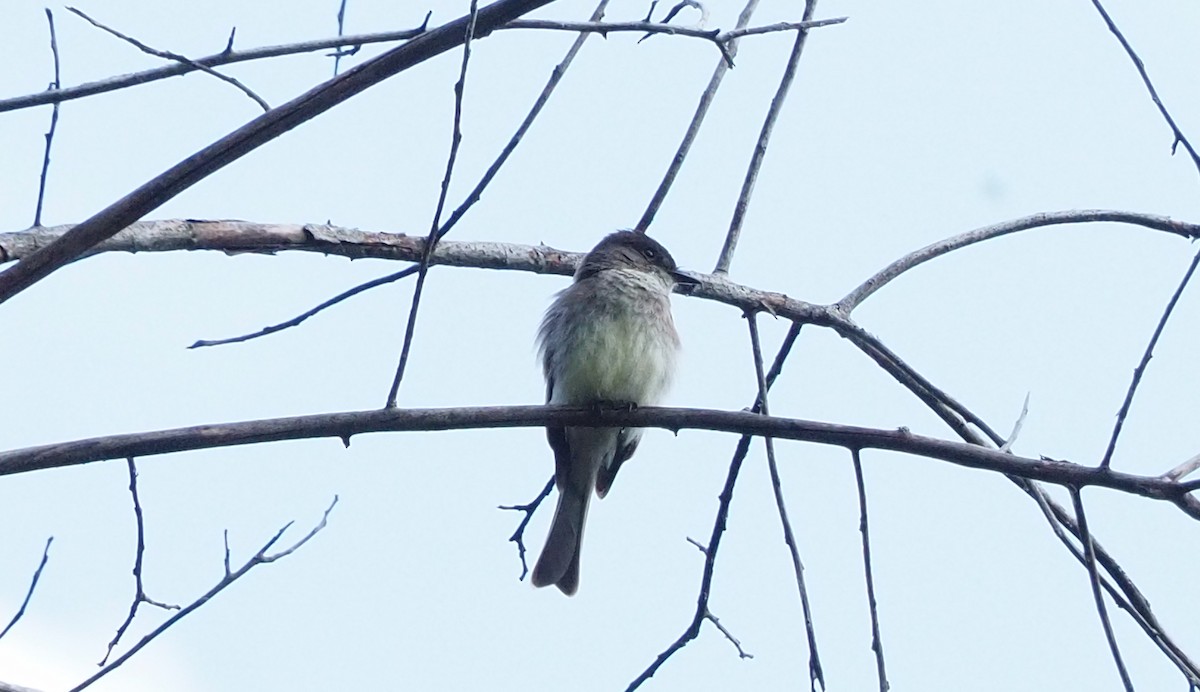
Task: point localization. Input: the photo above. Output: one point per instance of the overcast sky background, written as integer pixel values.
(906, 125)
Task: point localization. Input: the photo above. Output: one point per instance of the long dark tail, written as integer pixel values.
(559, 562)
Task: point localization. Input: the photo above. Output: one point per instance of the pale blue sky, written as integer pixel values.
(906, 125)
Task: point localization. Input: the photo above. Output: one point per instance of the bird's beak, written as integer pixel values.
(685, 281)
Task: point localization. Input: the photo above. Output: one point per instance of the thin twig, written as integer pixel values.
(350, 293)
(474, 196)
(351, 44)
(1180, 138)
(1141, 367)
(815, 673)
(341, 23)
(37, 574)
(139, 595)
(714, 543)
(168, 55)
(710, 558)
(226, 57)
(760, 146)
(853, 299)
(864, 528)
(721, 38)
(728, 635)
(259, 558)
(1184, 469)
(54, 86)
(1086, 538)
(528, 508)
(1020, 423)
(949, 409)
(556, 76)
(1128, 598)
(693, 129)
(266, 127)
(431, 241)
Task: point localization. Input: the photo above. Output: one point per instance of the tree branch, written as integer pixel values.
(347, 424)
(257, 132)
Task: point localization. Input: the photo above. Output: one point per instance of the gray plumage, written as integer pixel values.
(607, 339)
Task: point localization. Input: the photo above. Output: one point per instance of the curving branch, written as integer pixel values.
(1191, 231)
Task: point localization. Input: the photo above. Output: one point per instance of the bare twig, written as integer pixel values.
(693, 129)
(728, 635)
(287, 324)
(864, 528)
(37, 574)
(556, 76)
(710, 558)
(710, 551)
(955, 414)
(54, 86)
(226, 57)
(528, 508)
(139, 596)
(168, 55)
(473, 197)
(1141, 367)
(815, 673)
(431, 240)
(1128, 598)
(760, 146)
(341, 23)
(1016, 431)
(721, 38)
(259, 558)
(351, 44)
(1086, 538)
(1187, 230)
(1184, 469)
(1180, 138)
(257, 132)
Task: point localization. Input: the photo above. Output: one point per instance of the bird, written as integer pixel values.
(606, 340)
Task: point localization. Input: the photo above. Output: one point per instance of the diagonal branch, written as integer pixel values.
(54, 86)
(816, 673)
(760, 146)
(168, 55)
(1141, 367)
(693, 129)
(1166, 224)
(1086, 538)
(257, 132)
(1180, 138)
(431, 240)
(37, 574)
(259, 558)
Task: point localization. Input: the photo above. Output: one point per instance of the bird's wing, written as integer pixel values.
(627, 443)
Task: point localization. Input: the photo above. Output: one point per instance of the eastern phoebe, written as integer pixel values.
(608, 339)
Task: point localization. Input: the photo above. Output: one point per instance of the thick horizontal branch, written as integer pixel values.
(347, 424)
(242, 236)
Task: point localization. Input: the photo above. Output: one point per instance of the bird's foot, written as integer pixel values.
(600, 407)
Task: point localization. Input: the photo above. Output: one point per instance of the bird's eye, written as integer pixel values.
(650, 253)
